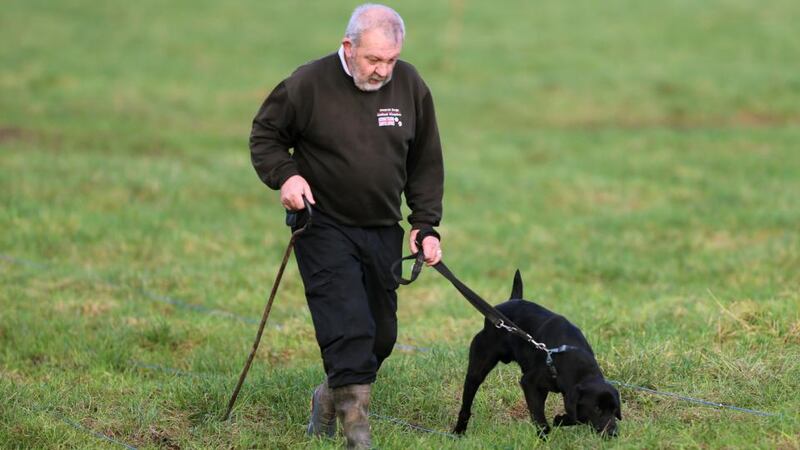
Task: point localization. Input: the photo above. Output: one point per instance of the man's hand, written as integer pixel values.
(292, 192)
(430, 248)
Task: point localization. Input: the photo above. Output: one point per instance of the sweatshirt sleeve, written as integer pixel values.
(274, 133)
(425, 172)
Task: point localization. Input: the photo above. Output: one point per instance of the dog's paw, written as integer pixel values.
(563, 420)
(459, 430)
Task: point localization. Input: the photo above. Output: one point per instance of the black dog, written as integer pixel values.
(588, 398)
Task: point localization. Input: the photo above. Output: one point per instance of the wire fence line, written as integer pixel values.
(394, 420)
(218, 312)
(698, 401)
(52, 412)
(160, 298)
(92, 432)
(150, 295)
(685, 398)
(184, 373)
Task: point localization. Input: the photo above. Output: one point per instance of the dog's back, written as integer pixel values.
(542, 324)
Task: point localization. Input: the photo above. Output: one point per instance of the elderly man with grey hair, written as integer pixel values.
(352, 133)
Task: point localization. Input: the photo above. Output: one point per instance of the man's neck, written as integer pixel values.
(344, 62)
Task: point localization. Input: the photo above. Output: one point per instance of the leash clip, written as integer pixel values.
(550, 365)
(502, 325)
(549, 360)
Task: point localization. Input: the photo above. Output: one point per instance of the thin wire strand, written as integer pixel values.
(699, 401)
(91, 432)
(412, 426)
(41, 267)
(77, 426)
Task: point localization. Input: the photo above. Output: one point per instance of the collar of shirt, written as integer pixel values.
(344, 63)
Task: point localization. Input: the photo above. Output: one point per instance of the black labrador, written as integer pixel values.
(588, 398)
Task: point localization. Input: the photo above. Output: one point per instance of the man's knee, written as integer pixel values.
(385, 339)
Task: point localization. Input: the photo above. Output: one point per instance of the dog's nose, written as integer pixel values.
(609, 431)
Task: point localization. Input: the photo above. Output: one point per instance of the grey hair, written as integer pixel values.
(387, 20)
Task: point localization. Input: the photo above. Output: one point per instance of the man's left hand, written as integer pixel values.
(431, 248)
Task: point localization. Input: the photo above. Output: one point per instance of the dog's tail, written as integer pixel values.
(516, 289)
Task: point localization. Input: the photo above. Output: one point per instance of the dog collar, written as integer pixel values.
(549, 359)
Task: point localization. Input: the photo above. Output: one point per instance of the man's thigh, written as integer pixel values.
(333, 276)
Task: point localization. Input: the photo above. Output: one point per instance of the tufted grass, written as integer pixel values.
(637, 161)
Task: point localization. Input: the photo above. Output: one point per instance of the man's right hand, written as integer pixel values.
(292, 192)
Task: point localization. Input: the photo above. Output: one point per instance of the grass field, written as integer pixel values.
(638, 161)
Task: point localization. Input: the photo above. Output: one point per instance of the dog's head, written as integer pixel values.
(597, 403)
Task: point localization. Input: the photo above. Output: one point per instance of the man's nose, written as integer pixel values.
(382, 70)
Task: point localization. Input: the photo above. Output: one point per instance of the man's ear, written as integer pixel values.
(347, 44)
(571, 405)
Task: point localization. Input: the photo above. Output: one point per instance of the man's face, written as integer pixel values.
(371, 61)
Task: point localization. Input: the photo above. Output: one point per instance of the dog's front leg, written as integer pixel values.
(535, 397)
(564, 420)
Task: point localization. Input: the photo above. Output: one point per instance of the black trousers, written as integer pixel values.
(351, 294)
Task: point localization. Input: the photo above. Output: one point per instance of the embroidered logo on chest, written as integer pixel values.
(389, 117)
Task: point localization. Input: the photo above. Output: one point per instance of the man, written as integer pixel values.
(363, 131)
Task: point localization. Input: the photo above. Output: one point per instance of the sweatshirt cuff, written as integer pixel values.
(283, 174)
(424, 232)
(420, 226)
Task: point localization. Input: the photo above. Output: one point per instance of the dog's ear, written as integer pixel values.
(516, 289)
(571, 403)
(609, 401)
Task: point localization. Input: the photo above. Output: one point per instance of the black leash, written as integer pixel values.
(498, 319)
(493, 315)
(291, 220)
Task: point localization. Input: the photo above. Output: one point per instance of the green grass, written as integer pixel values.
(637, 161)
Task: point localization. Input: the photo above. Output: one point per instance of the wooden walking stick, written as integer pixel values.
(261, 325)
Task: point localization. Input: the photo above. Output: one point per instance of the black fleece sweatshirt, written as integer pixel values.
(359, 151)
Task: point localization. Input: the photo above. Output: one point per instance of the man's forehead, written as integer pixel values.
(378, 43)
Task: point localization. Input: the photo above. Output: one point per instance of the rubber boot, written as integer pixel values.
(323, 413)
(352, 408)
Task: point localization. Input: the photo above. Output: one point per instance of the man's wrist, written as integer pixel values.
(285, 174)
(424, 231)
